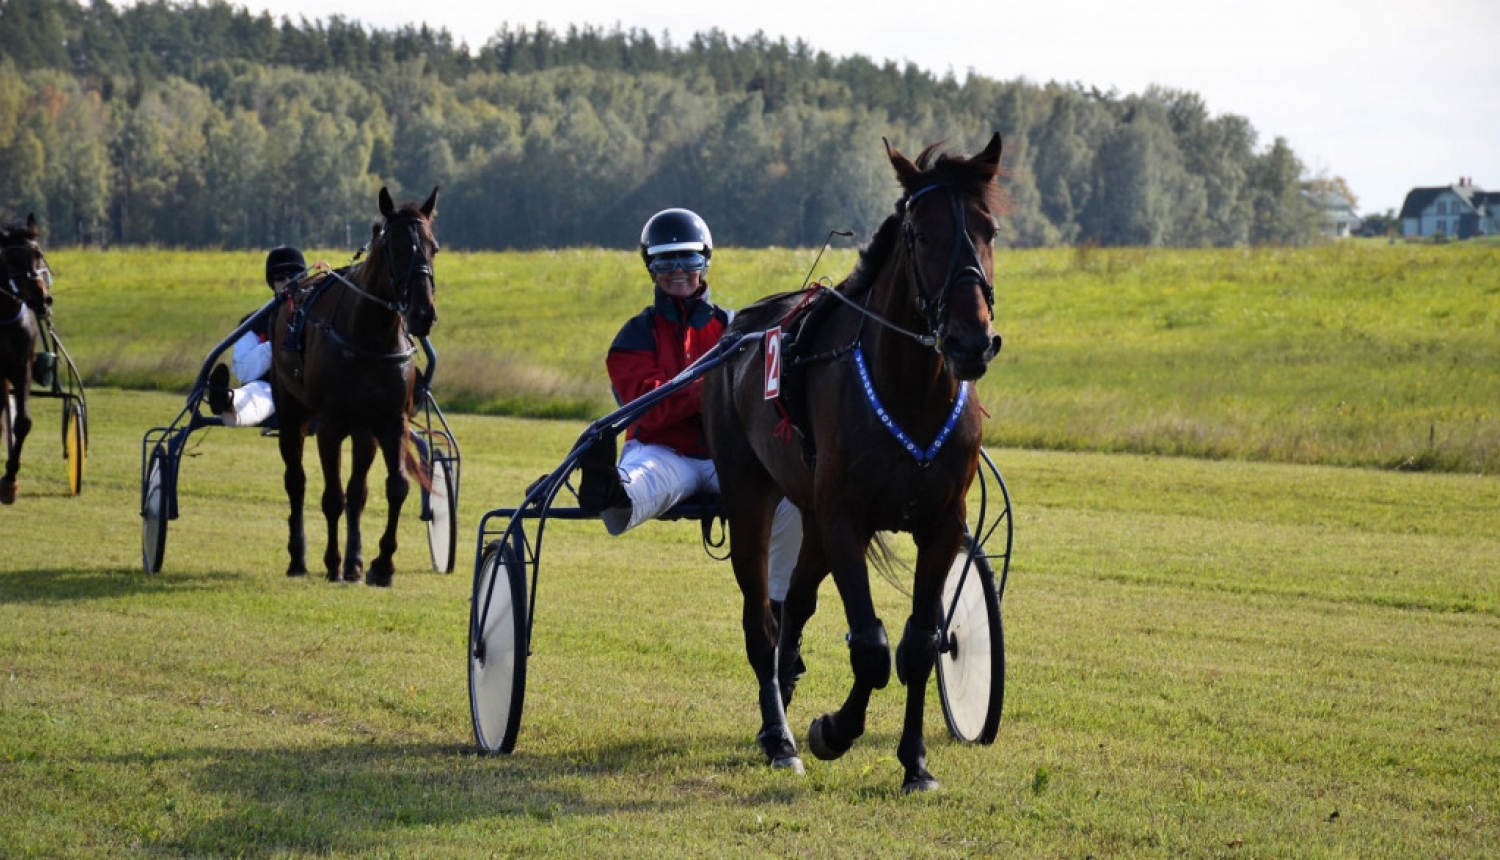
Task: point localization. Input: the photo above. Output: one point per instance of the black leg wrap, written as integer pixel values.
(911, 638)
(870, 656)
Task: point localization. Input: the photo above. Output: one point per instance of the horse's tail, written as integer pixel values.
(414, 464)
(882, 556)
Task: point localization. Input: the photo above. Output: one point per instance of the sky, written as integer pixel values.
(1389, 95)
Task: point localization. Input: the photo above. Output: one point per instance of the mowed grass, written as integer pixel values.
(1358, 354)
(1206, 659)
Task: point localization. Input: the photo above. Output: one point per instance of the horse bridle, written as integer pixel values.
(964, 265)
(40, 277)
(417, 265)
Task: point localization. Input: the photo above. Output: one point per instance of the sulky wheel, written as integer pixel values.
(154, 514)
(442, 524)
(75, 444)
(971, 667)
(497, 648)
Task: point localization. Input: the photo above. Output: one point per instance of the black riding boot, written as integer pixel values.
(599, 488)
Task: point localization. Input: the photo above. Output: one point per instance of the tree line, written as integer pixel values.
(193, 125)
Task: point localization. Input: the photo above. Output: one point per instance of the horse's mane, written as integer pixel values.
(938, 168)
(872, 257)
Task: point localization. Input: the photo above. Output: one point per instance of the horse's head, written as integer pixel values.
(27, 277)
(948, 212)
(404, 246)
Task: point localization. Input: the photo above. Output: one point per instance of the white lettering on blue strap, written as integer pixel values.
(905, 441)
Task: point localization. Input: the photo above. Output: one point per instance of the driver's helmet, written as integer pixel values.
(283, 262)
(676, 238)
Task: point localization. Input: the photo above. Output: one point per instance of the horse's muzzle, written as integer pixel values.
(968, 355)
(421, 320)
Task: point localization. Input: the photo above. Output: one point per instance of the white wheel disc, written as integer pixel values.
(971, 669)
(497, 649)
(154, 518)
(442, 529)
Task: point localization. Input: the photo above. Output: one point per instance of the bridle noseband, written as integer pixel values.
(964, 265)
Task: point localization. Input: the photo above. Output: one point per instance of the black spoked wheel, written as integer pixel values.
(75, 445)
(497, 649)
(971, 667)
(442, 528)
(154, 515)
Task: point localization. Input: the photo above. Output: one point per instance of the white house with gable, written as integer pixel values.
(1458, 211)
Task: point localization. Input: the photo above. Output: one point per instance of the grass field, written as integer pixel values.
(1206, 659)
(1362, 354)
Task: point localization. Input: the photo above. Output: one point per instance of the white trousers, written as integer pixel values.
(656, 478)
(252, 405)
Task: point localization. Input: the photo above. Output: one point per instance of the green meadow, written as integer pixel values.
(1205, 659)
(1356, 354)
(1284, 644)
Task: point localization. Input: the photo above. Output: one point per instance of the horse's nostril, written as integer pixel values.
(995, 343)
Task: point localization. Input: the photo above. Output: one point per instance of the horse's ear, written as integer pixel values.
(387, 206)
(906, 172)
(989, 159)
(431, 205)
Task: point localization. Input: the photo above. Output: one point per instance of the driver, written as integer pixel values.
(251, 404)
(665, 459)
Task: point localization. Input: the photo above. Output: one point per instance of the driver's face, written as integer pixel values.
(680, 284)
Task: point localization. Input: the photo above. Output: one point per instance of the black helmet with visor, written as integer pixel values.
(284, 262)
(676, 239)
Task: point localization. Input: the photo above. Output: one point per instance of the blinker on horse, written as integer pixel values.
(893, 445)
(354, 376)
(24, 297)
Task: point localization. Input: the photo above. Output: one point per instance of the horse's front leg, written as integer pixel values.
(20, 427)
(294, 479)
(832, 735)
(362, 445)
(397, 486)
(330, 453)
(916, 656)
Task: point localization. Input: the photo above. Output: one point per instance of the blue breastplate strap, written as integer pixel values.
(923, 457)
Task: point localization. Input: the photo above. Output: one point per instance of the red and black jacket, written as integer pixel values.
(652, 348)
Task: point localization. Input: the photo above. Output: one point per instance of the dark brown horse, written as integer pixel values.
(24, 298)
(877, 383)
(354, 376)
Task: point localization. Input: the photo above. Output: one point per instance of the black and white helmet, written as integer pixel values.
(675, 231)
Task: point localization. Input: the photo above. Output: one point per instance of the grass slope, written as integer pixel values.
(1206, 659)
(1362, 354)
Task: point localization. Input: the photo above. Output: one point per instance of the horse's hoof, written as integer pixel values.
(791, 763)
(8, 491)
(825, 748)
(380, 573)
(333, 576)
(926, 782)
(296, 571)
